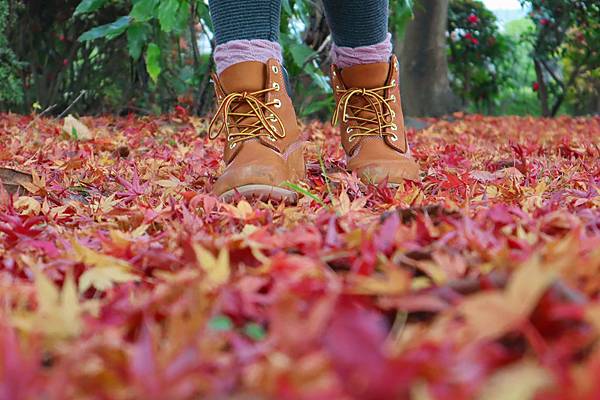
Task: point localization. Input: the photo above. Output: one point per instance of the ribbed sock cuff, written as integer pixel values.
(237, 51)
(345, 57)
(245, 19)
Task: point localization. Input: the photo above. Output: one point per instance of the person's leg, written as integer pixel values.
(245, 30)
(364, 77)
(263, 147)
(359, 29)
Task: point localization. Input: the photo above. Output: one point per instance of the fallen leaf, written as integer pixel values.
(216, 268)
(519, 381)
(76, 129)
(58, 314)
(104, 277)
(13, 180)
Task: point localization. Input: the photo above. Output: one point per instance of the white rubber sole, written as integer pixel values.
(261, 192)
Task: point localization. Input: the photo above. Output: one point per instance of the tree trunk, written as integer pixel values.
(543, 89)
(424, 62)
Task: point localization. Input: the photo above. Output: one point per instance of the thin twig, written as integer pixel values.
(40, 115)
(325, 176)
(553, 74)
(62, 114)
(318, 52)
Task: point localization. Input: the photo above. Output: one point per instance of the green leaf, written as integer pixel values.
(153, 61)
(88, 6)
(221, 323)
(108, 31)
(286, 7)
(204, 14)
(136, 38)
(144, 10)
(254, 331)
(401, 15)
(187, 75)
(167, 14)
(316, 106)
(300, 53)
(305, 192)
(173, 15)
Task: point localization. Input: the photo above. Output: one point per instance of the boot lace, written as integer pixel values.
(370, 119)
(251, 123)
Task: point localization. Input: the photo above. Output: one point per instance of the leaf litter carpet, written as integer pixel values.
(122, 277)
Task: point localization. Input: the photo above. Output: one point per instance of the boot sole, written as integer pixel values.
(261, 192)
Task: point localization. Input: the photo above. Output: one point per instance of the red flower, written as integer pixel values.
(181, 111)
(473, 19)
(471, 38)
(65, 62)
(536, 86)
(544, 21)
(61, 38)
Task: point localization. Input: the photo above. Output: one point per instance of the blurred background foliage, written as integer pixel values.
(149, 56)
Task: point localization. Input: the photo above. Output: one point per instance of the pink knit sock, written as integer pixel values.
(345, 57)
(237, 51)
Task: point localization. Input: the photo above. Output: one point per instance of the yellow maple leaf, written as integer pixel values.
(243, 210)
(105, 204)
(492, 314)
(392, 282)
(520, 381)
(169, 183)
(93, 258)
(28, 205)
(105, 270)
(58, 314)
(216, 268)
(104, 278)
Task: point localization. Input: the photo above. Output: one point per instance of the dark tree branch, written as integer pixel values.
(574, 74)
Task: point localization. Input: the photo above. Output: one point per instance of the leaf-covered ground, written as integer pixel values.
(122, 277)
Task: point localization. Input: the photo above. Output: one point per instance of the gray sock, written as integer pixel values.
(245, 19)
(357, 23)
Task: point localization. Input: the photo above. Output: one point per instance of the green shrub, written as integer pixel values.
(153, 27)
(517, 95)
(477, 52)
(11, 88)
(565, 52)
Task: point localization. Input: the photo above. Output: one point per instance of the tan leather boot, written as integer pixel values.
(372, 125)
(264, 149)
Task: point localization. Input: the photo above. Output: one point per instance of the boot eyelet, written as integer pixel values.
(394, 127)
(393, 98)
(394, 138)
(276, 86)
(277, 103)
(393, 114)
(348, 130)
(393, 82)
(275, 69)
(272, 117)
(351, 139)
(232, 146)
(271, 138)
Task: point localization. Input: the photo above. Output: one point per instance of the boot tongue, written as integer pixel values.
(367, 76)
(248, 76)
